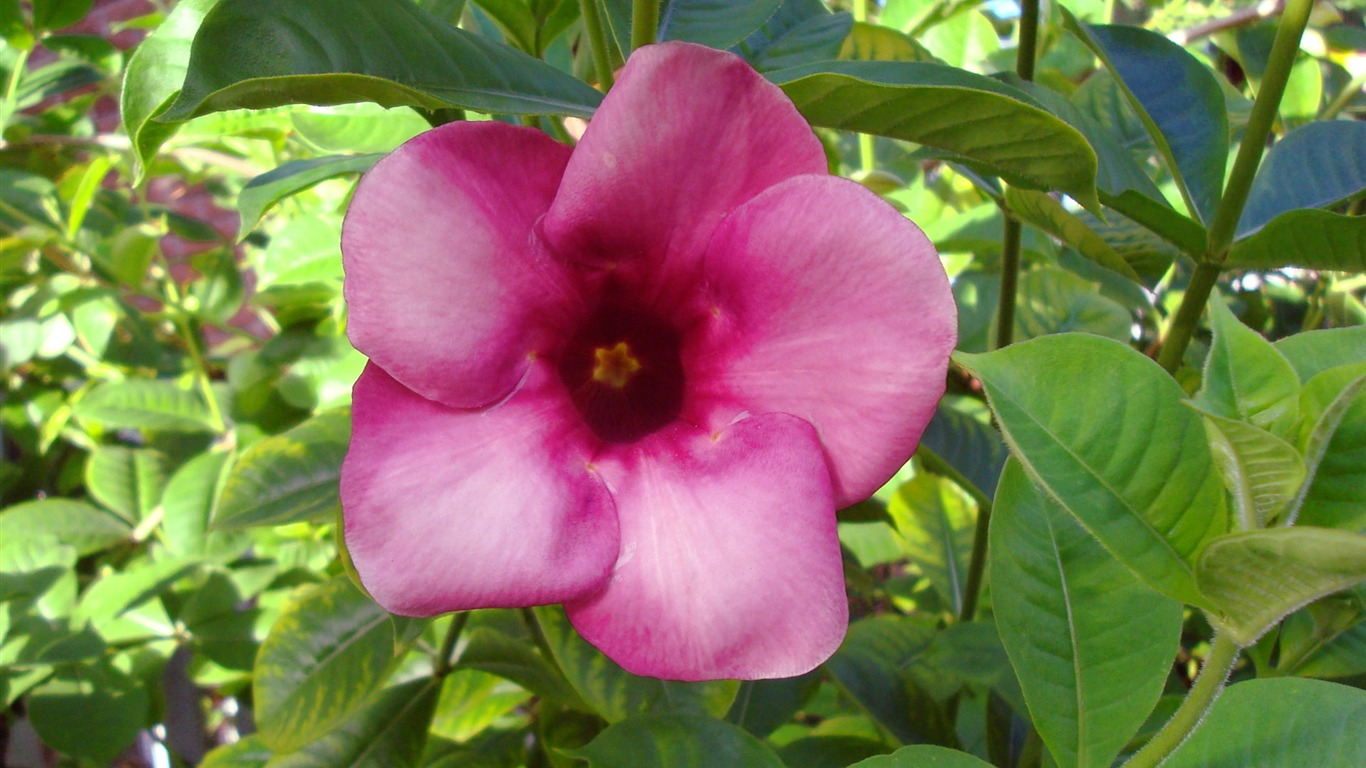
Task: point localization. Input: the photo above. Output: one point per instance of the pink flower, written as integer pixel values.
(637, 376)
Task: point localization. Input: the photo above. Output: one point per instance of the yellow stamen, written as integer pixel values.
(615, 365)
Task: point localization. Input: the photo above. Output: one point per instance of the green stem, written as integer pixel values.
(597, 42)
(1344, 97)
(867, 153)
(1031, 753)
(189, 333)
(11, 98)
(1010, 282)
(1223, 654)
(1029, 39)
(443, 662)
(977, 563)
(1187, 317)
(1264, 111)
(644, 22)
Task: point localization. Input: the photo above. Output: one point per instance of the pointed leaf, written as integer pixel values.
(496, 653)
(263, 192)
(874, 42)
(1246, 378)
(799, 32)
(1315, 166)
(1261, 471)
(89, 712)
(327, 654)
(1090, 643)
(1284, 722)
(713, 23)
(287, 478)
(923, 756)
(1313, 352)
(1334, 437)
(81, 525)
(1130, 463)
(391, 732)
(128, 481)
(869, 665)
(675, 741)
(936, 527)
(1310, 239)
(1041, 210)
(189, 503)
(1054, 300)
(146, 404)
(1178, 99)
(1256, 578)
(262, 53)
(961, 434)
(948, 108)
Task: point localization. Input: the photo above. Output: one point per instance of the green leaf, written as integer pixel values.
(472, 702)
(869, 665)
(1130, 464)
(1090, 643)
(1313, 352)
(84, 527)
(961, 434)
(713, 23)
(936, 527)
(874, 42)
(515, 20)
(56, 14)
(38, 568)
(249, 752)
(128, 481)
(1315, 166)
(358, 128)
(1333, 437)
(762, 706)
(923, 756)
(1246, 378)
(189, 503)
(1261, 471)
(89, 712)
(1327, 639)
(1041, 210)
(1054, 300)
(675, 741)
(1283, 722)
(828, 751)
(1310, 239)
(287, 478)
(799, 32)
(1177, 98)
(324, 659)
(616, 694)
(262, 53)
(156, 404)
(491, 651)
(948, 108)
(306, 249)
(155, 73)
(391, 733)
(1256, 578)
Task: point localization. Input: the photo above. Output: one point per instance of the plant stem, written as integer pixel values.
(1029, 39)
(11, 98)
(1010, 282)
(1223, 654)
(977, 563)
(189, 333)
(442, 661)
(597, 42)
(644, 22)
(866, 153)
(1344, 97)
(1187, 317)
(1264, 111)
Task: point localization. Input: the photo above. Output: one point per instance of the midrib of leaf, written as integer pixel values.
(331, 655)
(1072, 633)
(361, 759)
(950, 557)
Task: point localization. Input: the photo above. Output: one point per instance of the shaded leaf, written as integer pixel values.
(1333, 437)
(88, 711)
(1315, 166)
(289, 477)
(869, 665)
(713, 23)
(1313, 352)
(390, 732)
(675, 741)
(923, 756)
(961, 434)
(1245, 376)
(1311, 239)
(1041, 210)
(73, 522)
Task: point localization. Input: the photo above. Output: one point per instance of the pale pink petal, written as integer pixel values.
(831, 306)
(446, 287)
(730, 566)
(449, 510)
(685, 135)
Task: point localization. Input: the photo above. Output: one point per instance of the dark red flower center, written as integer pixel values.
(624, 374)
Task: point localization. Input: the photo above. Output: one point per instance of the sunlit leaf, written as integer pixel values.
(1246, 378)
(390, 732)
(288, 477)
(1311, 239)
(936, 528)
(1041, 210)
(147, 404)
(73, 522)
(1261, 471)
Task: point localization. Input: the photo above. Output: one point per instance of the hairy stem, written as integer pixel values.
(1223, 655)
(597, 42)
(1187, 317)
(644, 22)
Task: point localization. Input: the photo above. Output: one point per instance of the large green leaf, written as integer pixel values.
(1313, 352)
(391, 733)
(676, 741)
(73, 522)
(869, 665)
(1261, 471)
(147, 404)
(154, 76)
(1255, 578)
(1284, 722)
(1178, 99)
(1090, 643)
(324, 659)
(1245, 376)
(713, 23)
(289, 477)
(1333, 438)
(936, 527)
(923, 756)
(1314, 166)
(948, 108)
(263, 53)
(1309, 238)
(1130, 463)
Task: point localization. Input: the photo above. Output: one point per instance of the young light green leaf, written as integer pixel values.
(1246, 378)
(391, 732)
(1285, 722)
(1177, 98)
(1313, 352)
(713, 23)
(923, 756)
(189, 503)
(154, 76)
(1054, 300)
(289, 477)
(874, 42)
(655, 741)
(324, 659)
(1306, 238)
(1315, 166)
(156, 404)
(81, 525)
(1090, 643)
(948, 108)
(1256, 578)
(128, 481)
(935, 525)
(1332, 437)
(1261, 471)
(1130, 464)
(1041, 210)
(360, 129)
(262, 53)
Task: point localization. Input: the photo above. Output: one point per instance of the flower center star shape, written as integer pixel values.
(637, 376)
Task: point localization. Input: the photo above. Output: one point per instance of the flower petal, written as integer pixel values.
(730, 566)
(449, 510)
(685, 135)
(833, 307)
(446, 287)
